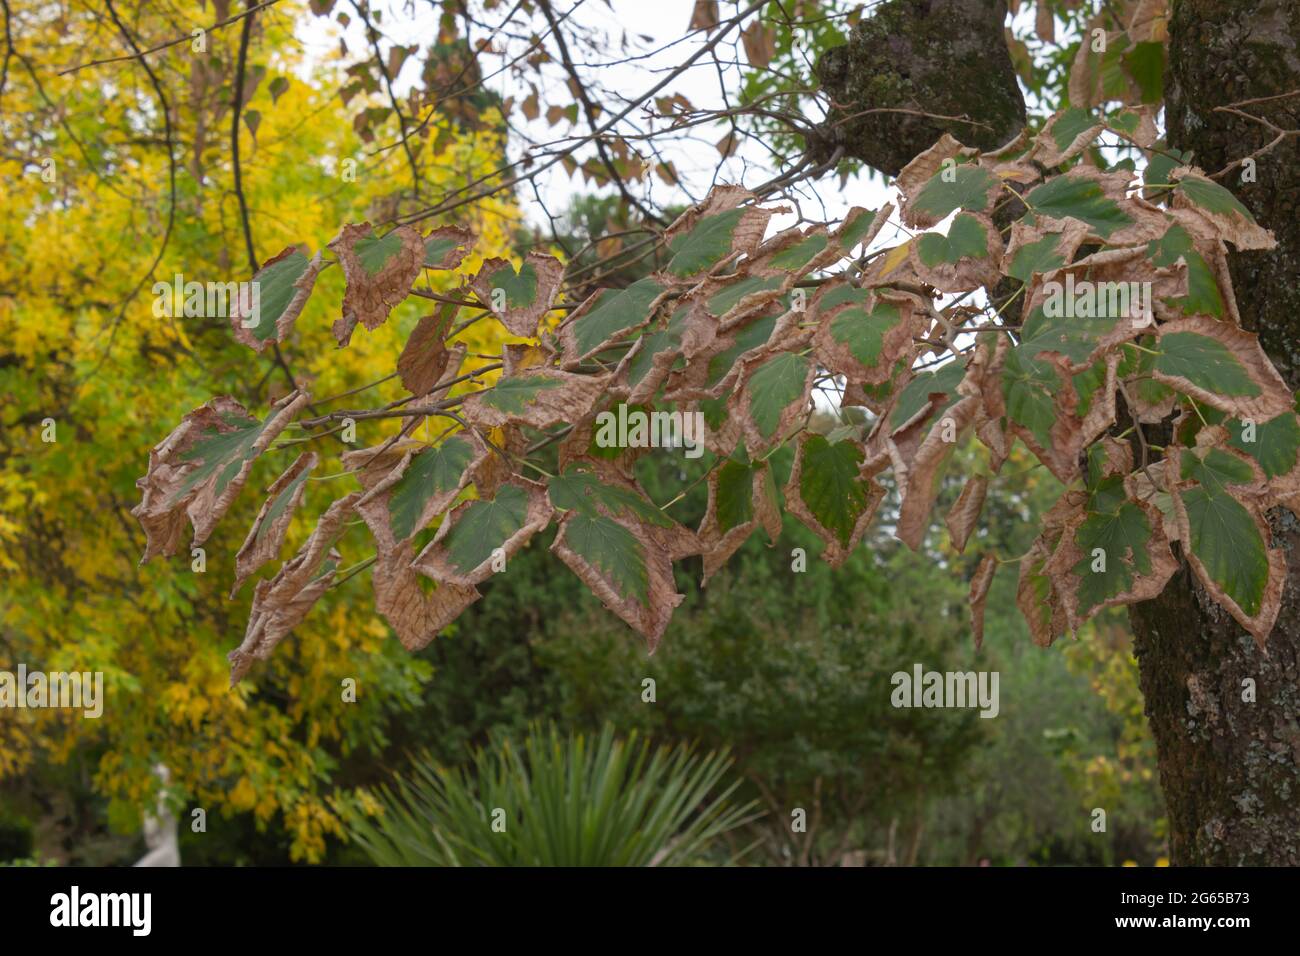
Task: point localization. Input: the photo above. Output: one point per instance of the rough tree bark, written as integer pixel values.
(913, 61)
(1229, 767)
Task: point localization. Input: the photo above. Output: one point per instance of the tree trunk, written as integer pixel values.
(916, 69)
(1230, 765)
(1229, 759)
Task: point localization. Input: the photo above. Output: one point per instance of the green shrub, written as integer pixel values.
(575, 800)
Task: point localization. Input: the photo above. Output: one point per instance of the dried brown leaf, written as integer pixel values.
(424, 357)
(965, 511)
(280, 604)
(416, 616)
(565, 397)
(168, 500)
(520, 318)
(266, 536)
(371, 296)
(979, 595)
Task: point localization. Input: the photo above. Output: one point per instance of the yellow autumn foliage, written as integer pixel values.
(85, 188)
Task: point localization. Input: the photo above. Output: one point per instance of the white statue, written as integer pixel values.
(160, 831)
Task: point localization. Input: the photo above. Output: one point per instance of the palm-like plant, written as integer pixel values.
(572, 800)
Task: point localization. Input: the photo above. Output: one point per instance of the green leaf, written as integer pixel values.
(916, 394)
(728, 297)
(512, 395)
(969, 189)
(863, 330)
(830, 487)
(749, 337)
(582, 491)
(1203, 295)
(1145, 63)
(707, 244)
(1039, 256)
(1276, 443)
(735, 493)
(1081, 198)
(375, 252)
(1216, 471)
(966, 239)
(1075, 338)
(221, 453)
(275, 289)
(852, 232)
(1029, 389)
(1164, 160)
(434, 471)
(1227, 542)
(1205, 362)
(802, 252)
(615, 311)
(281, 502)
(485, 526)
(775, 386)
(655, 343)
(613, 551)
(1122, 532)
(1071, 124)
(1212, 197)
(520, 287)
